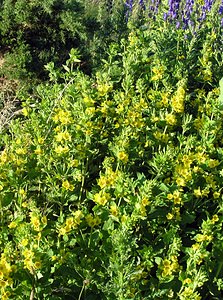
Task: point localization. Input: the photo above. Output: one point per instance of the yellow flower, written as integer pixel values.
(54, 257)
(101, 198)
(171, 119)
(216, 195)
(61, 150)
(169, 196)
(158, 73)
(27, 253)
(90, 110)
(170, 216)
(40, 140)
(114, 210)
(38, 151)
(28, 263)
(167, 269)
(63, 136)
(180, 181)
(6, 295)
(22, 192)
(214, 219)
(62, 231)
(92, 221)
(74, 163)
(12, 225)
(24, 242)
(21, 151)
(145, 201)
(197, 192)
(203, 237)
(3, 157)
(213, 163)
(187, 281)
(102, 182)
(64, 117)
(25, 111)
(177, 100)
(37, 264)
(70, 221)
(67, 186)
(34, 220)
(195, 246)
(103, 89)
(176, 196)
(123, 156)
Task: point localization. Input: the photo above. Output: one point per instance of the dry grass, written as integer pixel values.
(9, 104)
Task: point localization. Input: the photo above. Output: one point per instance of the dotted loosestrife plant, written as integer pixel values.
(111, 185)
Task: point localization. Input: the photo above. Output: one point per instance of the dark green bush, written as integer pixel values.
(34, 33)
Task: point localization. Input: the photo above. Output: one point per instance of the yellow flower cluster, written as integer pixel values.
(63, 136)
(29, 261)
(158, 73)
(178, 99)
(37, 222)
(62, 116)
(109, 179)
(123, 156)
(104, 88)
(92, 221)
(175, 197)
(161, 136)
(171, 119)
(101, 198)
(5, 276)
(114, 210)
(183, 172)
(71, 222)
(169, 266)
(67, 185)
(3, 157)
(60, 150)
(174, 214)
(188, 293)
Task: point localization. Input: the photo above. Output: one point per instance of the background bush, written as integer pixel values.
(34, 33)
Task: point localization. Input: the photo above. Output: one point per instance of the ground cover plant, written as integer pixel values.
(111, 183)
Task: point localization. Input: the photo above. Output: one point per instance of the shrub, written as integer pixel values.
(46, 31)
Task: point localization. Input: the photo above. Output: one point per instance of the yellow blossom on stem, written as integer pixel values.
(197, 192)
(61, 150)
(67, 185)
(101, 198)
(170, 119)
(114, 210)
(12, 225)
(123, 156)
(216, 195)
(214, 219)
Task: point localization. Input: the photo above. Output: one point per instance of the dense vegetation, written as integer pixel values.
(111, 173)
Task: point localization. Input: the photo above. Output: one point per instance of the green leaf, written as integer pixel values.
(163, 187)
(158, 260)
(65, 238)
(7, 199)
(108, 225)
(221, 92)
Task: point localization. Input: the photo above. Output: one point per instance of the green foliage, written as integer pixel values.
(111, 183)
